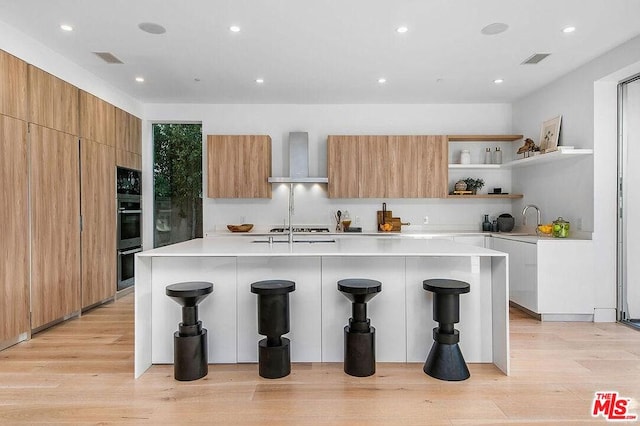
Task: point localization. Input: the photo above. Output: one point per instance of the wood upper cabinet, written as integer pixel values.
(14, 250)
(387, 166)
(343, 165)
(432, 168)
(374, 167)
(98, 208)
(238, 166)
(53, 102)
(128, 132)
(128, 159)
(55, 225)
(13, 86)
(97, 119)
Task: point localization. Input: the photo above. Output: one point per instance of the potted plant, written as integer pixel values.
(474, 184)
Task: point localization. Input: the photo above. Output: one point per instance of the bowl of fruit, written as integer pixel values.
(545, 230)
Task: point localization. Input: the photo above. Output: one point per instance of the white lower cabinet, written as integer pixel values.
(523, 271)
(551, 277)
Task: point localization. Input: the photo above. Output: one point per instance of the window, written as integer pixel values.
(177, 183)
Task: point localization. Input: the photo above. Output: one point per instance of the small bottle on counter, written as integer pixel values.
(494, 225)
(487, 156)
(497, 156)
(465, 157)
(486, 225)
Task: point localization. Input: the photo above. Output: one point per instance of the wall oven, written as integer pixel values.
(129, 224)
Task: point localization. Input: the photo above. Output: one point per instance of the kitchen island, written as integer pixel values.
(402, 313)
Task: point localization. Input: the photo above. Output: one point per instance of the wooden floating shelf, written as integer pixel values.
(484, 138)
(510, 196)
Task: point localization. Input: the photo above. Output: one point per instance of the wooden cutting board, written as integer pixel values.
(388, 216)
(396, 222)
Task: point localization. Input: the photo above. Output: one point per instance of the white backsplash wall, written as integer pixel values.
(312, 204)
(312, 207)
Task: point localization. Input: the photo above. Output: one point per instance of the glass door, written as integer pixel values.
(629, 202)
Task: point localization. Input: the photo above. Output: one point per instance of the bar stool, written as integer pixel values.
(190, 341)
(359, 335)
(445, 360)
(274, 353)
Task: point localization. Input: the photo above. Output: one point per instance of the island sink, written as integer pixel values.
(295, 241)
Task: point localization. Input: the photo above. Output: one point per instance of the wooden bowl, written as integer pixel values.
(245, 227)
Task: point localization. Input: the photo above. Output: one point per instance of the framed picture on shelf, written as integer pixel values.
(549, 134)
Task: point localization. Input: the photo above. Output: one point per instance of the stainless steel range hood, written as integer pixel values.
(298, 161)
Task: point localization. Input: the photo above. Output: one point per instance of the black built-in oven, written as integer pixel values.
(129, 224)
(129, 221)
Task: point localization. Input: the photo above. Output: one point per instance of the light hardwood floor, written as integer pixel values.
(81, 372)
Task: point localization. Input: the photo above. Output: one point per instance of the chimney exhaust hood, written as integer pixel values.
(298, 161)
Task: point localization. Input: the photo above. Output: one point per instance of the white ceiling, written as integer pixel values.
(327, 51)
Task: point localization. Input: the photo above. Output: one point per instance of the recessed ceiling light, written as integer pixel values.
(402, 30)
(259, 80)
(234, 29)
(140, 79)
(152, 28)
(568, 30)
(382, 80)
(65, 27)
(495, 28)
(498, 81)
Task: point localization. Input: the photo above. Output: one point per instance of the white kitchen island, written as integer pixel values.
(401, 313)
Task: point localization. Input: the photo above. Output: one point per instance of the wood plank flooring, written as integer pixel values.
(81, 372)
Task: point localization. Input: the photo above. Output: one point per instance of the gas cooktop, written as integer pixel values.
(301, 229)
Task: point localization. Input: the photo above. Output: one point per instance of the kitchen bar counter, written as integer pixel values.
(402, 313)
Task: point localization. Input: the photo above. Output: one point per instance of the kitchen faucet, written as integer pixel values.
(291, 211)
(524, 217)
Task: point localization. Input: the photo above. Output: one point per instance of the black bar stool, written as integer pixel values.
(274, 353)
(445, 360)
(359, 335)
(190, 341)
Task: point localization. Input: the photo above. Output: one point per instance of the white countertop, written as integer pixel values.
(372, 246)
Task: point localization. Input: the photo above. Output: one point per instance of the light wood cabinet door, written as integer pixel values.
(343, 166)
(128, 132)
(128, 159)
(238, 166)
(98, 207)
(374, 167)
(432, 168)
(13, 86)
(53, 103)
(14, 219)
(402, 176)
(97, 119)
(55, 225)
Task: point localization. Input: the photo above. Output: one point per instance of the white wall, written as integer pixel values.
(312, 204)
(586, 98)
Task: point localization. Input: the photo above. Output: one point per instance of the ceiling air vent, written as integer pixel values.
(108, 57)
(535, 58)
